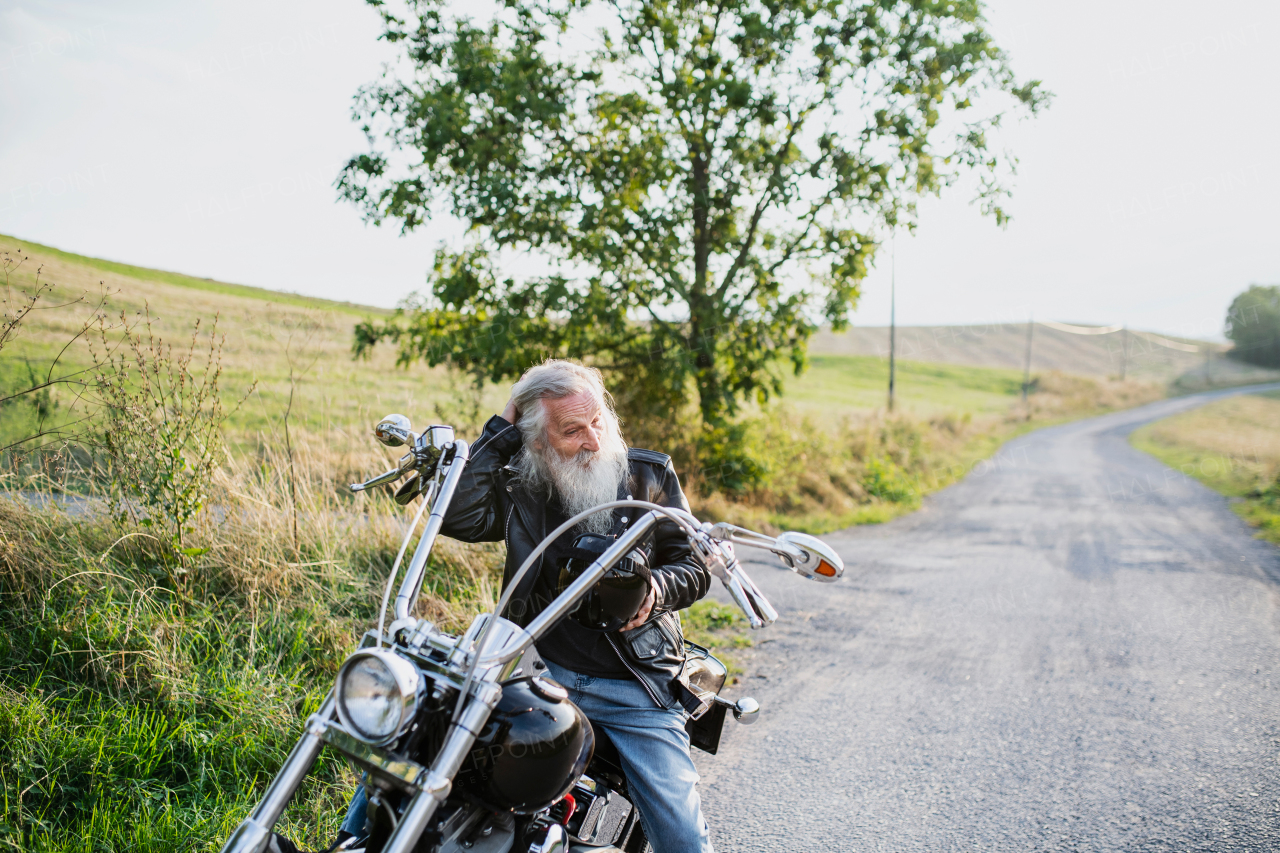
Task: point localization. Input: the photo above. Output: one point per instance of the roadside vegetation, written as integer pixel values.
(1233, 447)
(147, 693)
(182, 567)
(1253, 325)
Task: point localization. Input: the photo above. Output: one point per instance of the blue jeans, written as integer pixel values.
(654, 748)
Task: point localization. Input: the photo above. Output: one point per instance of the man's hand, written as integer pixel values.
(511, 414)
(645, 609)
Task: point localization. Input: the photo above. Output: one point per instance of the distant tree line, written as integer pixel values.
(1253, 325)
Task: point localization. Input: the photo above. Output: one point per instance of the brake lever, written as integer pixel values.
(721, 562)
(406, 463)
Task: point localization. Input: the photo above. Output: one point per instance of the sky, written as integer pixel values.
(205, 137)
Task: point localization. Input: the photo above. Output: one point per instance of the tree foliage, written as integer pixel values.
(678, 191)
(1253, 325)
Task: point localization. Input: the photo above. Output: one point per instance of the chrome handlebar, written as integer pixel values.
(807, 556)
(436, 451)
(425, 449)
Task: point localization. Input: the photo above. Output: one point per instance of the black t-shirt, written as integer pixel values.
(569, 644)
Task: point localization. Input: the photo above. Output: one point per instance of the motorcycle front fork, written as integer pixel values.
(254, 832)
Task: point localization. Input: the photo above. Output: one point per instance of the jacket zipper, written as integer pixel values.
(632, 670)
(537, 568)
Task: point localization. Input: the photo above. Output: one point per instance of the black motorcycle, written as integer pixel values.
(464, 744)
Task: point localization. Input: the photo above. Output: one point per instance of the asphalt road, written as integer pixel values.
(1075, 648)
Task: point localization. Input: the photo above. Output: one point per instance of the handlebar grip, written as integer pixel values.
(748, 596)
(379, 480)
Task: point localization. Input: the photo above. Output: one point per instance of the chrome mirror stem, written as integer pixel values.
(407, 596)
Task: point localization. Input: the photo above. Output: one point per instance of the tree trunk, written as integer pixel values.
(703, 313)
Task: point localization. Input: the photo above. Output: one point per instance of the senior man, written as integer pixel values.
(554, 452)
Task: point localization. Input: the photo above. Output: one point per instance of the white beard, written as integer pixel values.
(582, 481)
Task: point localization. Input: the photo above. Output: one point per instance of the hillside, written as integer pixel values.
(1003, 345)
(270, 336)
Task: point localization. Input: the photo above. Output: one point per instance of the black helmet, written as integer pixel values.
(618, 596)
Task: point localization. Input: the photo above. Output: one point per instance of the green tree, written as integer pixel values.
(1253, 325)
(679, 191)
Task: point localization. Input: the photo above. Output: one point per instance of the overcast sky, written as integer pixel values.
(205, 137)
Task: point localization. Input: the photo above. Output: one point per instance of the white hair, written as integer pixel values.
(587, 479)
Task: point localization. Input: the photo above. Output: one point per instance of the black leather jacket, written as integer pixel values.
(490, 505)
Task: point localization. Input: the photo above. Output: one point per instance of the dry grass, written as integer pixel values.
(1056, 396)
(1244, 429)
(1232, 446)
(269, 338)
(342, 540)
(145, 703)
(250, 551)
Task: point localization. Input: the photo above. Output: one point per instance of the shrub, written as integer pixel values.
(730, 460)
(886, 481)
(1253, 325)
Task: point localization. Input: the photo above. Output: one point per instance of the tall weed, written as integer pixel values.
(160, 423)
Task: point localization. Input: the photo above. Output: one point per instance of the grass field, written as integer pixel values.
(1186, 364)
(269, 337)
(844, 384)
(1233, 447)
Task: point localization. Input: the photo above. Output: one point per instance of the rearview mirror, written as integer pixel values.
(818, 561)
(394, 431)
(746, 710)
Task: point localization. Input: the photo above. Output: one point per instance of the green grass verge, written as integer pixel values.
(719, 627)
(1233, 447)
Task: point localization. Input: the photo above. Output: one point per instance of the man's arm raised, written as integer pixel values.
(475, 515)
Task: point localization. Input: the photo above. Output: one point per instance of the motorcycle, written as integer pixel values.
(464, 745)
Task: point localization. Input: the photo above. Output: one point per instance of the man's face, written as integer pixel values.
(574, 423)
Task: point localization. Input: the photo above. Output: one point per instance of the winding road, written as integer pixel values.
(1075, 648)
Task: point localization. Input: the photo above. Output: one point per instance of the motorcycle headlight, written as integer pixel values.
(377, 692)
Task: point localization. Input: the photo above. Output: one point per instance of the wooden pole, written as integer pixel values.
(1124, 352)
(893, 313)
(1026, 372)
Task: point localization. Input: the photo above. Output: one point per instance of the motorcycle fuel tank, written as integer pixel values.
(533, 749)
